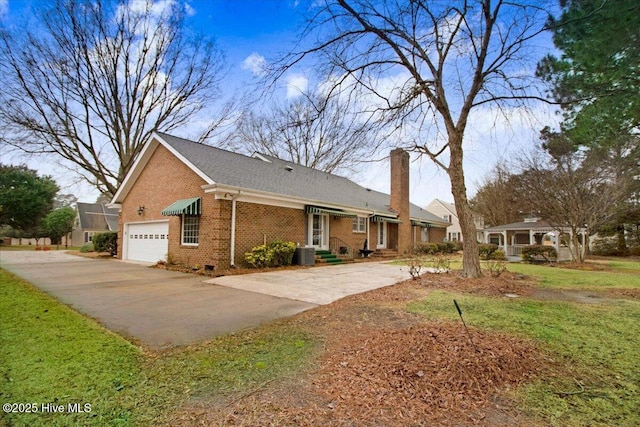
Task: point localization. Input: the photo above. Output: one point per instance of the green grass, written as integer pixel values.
(597, 344)
(623, 274)
(51, 354)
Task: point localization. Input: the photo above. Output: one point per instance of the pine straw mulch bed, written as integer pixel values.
(381, 366)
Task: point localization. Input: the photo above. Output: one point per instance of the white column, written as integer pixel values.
(232, 244)
(504, 240)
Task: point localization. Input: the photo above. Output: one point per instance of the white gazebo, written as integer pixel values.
(532, 231)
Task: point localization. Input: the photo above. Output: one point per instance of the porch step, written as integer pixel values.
(327, 257)
(384, 253)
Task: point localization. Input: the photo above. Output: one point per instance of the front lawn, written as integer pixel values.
(50, 355)
(620, 274)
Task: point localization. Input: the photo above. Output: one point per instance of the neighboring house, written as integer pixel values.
(532, 231)
(93, 218)
(447, 211)
(201, 205)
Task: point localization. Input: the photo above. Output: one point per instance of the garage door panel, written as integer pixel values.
(148, 241)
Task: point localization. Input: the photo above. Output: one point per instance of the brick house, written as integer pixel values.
(203, 205)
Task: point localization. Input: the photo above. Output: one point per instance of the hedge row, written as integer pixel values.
(438, 248)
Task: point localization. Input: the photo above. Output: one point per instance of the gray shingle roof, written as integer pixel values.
(523, 226)
(96, 216)
(282, 177)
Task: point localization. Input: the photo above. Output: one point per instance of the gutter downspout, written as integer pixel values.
(232, 243)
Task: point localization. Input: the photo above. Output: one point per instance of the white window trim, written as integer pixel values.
(360, 221)
(182, 242)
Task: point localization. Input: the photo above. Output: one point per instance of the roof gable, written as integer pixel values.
(143, 158)
(96, 216)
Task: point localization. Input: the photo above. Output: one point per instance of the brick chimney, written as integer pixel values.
(399, 202)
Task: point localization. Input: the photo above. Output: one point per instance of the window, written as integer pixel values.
(190, 229)
(360, 225)
(88, 236)
(447, 218)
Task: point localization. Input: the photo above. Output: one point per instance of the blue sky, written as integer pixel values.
(250, 31)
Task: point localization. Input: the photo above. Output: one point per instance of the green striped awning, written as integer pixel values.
(421, 223)
(184, 206)
(325, 211)
(381, 218)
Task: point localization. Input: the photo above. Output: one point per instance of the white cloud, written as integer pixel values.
(255, 63)
(4, 8)
(189, 9)
(296, 85)
(155, 8)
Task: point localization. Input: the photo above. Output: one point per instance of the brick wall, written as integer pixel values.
(342, 228)
(164, 180)
(437, 234)
(257, 223)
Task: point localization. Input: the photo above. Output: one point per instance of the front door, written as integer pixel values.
(319, 231)
(381, 240)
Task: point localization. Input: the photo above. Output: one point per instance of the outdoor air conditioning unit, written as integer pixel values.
(304, 256)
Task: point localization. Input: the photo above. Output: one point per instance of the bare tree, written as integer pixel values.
(443, 59)
(501, 199)
(313, 130)
(92, 79)
(574, 188)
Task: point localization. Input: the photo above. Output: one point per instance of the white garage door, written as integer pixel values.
(148, 241)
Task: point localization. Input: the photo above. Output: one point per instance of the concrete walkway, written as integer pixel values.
(318, 285)
(157, 308)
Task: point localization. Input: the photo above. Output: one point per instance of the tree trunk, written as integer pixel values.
(470, 257)
(576, 248)
(622, 241)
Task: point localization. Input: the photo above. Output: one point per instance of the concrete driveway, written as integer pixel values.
(160, 308)
(318, 285)
(157, 308)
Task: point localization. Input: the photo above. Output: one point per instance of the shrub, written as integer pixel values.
(87, 247)
(258, 257)
(282, 252)
(415, 265)
(498, 255)
(426, 249)
(486, 250)
(605, 246)
(536, 253)
(495, 266)
(106, 242)
(445, 247)
(441, 263)
(277, 253)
